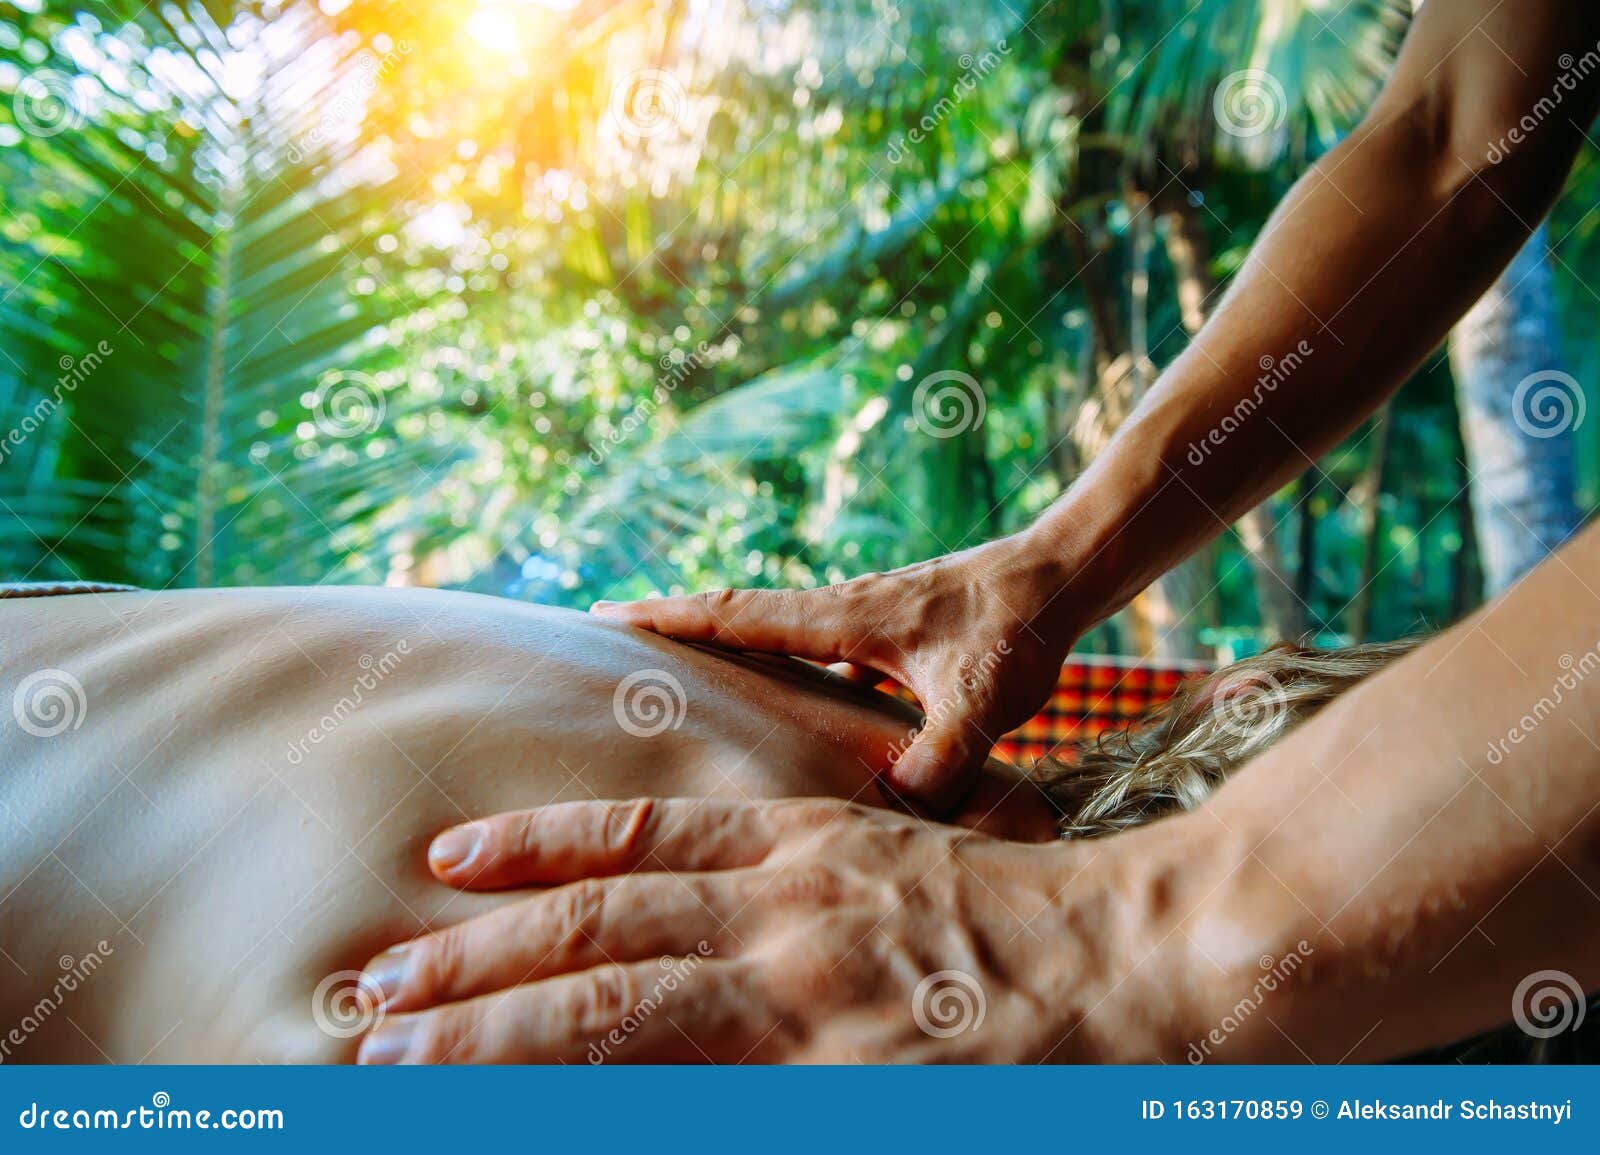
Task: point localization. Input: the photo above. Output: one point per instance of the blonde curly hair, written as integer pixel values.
(1172, 759)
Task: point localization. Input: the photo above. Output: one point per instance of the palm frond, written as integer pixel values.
(183, 326)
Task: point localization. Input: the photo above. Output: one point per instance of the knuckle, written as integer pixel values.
(599, 1000)
(723, 835)
(573, 914)
(809, 885)
(522, 838)
(718, 603)
(438, 964)
(866, 594)
(896, 842)
(624, 829)
(814, 971)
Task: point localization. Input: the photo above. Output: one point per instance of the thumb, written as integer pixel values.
(804, 623)
(938, 769)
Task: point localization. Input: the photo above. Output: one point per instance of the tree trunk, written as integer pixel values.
(1519, 413)
(1189, 251)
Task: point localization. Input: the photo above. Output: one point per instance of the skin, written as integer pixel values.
(1408, 208)
(229, 865)
(1413, 860)
(1417, 211)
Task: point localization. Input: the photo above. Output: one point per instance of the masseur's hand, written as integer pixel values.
(694, 930)
(977, 636)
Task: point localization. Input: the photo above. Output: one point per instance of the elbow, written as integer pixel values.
(1497, 169)
(1433, 168)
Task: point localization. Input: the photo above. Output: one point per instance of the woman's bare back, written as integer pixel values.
(217, 803)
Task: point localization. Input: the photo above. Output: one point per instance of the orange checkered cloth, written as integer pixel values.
(1095, 694)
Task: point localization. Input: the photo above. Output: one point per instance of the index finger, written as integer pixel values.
(805, 623)
(568, 841)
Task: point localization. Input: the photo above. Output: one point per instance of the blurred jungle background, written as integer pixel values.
(572, 299)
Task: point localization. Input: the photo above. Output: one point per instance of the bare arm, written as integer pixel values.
(1419, 848)
(1433, 837)
(1402, 862)
(1358, 275)
(1362, 269)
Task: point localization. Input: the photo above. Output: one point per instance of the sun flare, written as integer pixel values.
(506, 26)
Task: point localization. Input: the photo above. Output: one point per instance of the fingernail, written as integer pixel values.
(387, 973)
(602, 607)
(456, 847)
(387, 1045)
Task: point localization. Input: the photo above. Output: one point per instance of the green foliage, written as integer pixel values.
(649, 297)
(180, 309)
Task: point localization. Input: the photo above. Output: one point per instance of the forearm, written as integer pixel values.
(1360, 272)
(1305, 346)
(1431, 839)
